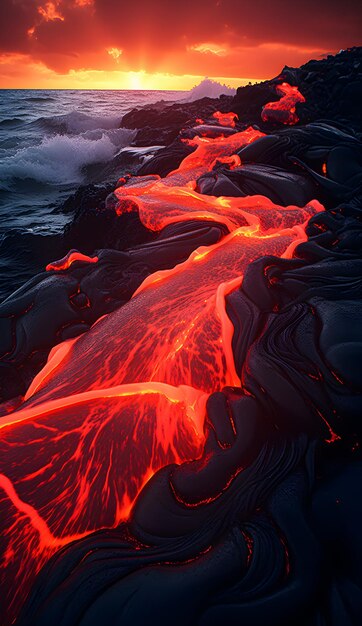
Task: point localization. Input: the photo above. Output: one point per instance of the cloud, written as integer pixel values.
(208, 37)
(115, 53)
(209, 48)
(50, 12)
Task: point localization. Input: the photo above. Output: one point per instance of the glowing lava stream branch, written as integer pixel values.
(227, 330)
(45, 535)
(56, 356)
(194, 401)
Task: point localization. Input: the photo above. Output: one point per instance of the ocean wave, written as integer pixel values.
(75, 122)
(59, 159)
(11, 121)
(40, 99)
(208, 88)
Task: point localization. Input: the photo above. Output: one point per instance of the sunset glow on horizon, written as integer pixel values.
(103, 44)
(38, 76)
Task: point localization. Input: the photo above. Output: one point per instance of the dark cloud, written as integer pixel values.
(308, 23)
(16, 18)
(159, 35)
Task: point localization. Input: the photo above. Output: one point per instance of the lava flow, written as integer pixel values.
(225, 119)
(113, 406)
(283, 111)
(72, 257)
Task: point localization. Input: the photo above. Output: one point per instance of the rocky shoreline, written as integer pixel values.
(331, 92)
(265, 519)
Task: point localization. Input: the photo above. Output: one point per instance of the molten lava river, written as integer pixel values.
(116, 404)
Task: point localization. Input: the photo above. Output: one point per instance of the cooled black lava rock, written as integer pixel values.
(331, 87)
(161, 123)
(166, 160)
(282, 187)
(87, 197)
(249, 101)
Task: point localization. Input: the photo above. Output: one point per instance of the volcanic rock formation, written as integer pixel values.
(190, 451)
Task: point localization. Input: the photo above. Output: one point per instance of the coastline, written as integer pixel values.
(263, 191)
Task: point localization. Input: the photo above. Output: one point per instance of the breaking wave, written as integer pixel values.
(60, 158)
(75, 122)
(208, 88)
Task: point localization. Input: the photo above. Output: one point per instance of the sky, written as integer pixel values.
(139, 44)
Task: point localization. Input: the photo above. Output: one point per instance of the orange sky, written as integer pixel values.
(110, 44)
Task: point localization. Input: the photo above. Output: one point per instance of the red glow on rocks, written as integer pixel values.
(71, 257)
(283, 111)
(250, 545)
(333, 437)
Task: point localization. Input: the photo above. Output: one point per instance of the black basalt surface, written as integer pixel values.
(264, 529)
(162, 122)
(331, 86)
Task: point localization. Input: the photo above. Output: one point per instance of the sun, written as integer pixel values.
(135, 80)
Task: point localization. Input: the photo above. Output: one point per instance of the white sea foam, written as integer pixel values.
(60, 158)
(76, 122)
(208, 88)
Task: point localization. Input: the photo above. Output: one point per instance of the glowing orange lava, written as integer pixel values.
(69, 259)
(225, 119)
(116, 404)
(283, 111)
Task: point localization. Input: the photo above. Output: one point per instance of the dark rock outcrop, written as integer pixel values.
(162, 122)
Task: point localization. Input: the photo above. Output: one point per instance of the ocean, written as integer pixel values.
(52, 142)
